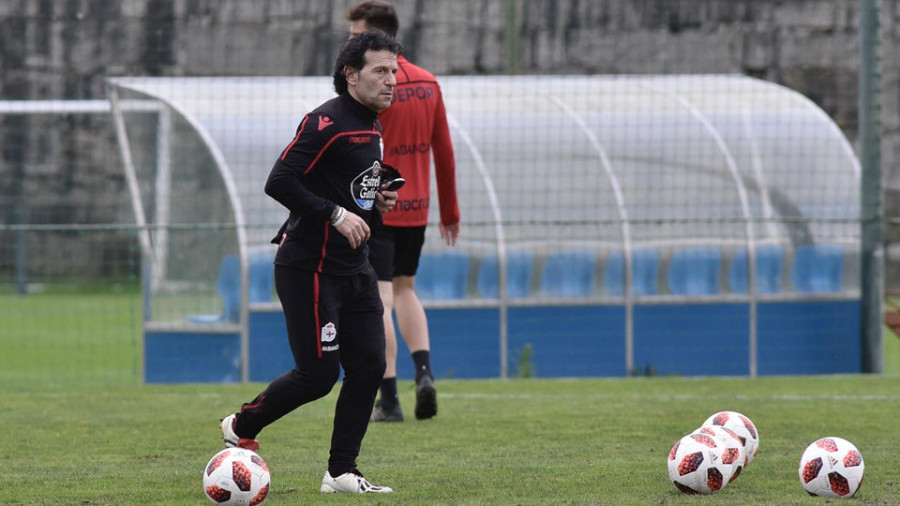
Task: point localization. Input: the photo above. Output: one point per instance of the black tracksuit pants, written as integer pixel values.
(332, 322)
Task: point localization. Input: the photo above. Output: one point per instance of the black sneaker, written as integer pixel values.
(426, 398)
(382, 414)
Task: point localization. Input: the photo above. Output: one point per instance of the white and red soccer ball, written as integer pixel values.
(696, 464)
(740, 425)
(236, 476)
(733, 454)
(831, 467)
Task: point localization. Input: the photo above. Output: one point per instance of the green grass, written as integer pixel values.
(589, 441)
(891, 355)
(80, 428)
(59, 337)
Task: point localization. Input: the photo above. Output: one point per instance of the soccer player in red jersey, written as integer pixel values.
(415, 128)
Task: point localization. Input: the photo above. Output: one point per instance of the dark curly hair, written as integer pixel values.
(353, 55)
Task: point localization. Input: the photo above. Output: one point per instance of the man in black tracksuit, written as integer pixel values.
(330, 178)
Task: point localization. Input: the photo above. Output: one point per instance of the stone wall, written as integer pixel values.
(65, 49)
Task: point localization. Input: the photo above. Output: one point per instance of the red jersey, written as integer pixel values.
(414, 127)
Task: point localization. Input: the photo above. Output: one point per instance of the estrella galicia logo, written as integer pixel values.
(366, 185)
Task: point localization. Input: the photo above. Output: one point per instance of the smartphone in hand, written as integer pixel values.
(394, 184)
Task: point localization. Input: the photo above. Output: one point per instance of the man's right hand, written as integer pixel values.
(355, 229)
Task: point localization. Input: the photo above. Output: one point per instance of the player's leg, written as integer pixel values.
(361, 341)
(414, 327)
(411, 317)
(381, 256)
(315, 374)
(388, 408)
(386, 291)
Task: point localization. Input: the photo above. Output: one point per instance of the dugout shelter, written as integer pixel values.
(612, 225)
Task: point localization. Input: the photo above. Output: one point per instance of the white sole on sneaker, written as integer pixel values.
(231, 439)
(351, 482)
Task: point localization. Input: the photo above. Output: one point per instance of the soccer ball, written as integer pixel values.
(695, 464)
(831, 467)
(236, 476)
(734, 447)
(740, 425)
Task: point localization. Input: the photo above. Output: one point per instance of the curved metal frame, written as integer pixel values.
(233, 197)
(745, 209)
(484, 172)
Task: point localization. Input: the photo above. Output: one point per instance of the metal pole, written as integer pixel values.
(512, 36)
(872, 254)
(21, 213)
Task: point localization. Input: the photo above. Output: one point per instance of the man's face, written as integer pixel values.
(357, 27)
(373, 85)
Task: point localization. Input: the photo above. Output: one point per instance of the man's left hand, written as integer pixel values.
(385, 200)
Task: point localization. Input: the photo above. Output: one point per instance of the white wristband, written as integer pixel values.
(341, 214)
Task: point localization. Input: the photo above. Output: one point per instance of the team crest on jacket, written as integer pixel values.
(366, 185)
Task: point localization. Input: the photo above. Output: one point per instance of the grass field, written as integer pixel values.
(589, 441)
(78, 430)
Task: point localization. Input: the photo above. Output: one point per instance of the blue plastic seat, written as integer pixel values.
(695, 271)
(644, 271)
(442, 275)
(228, 285)
(768, 270)
(262, 276)
(569, 273)
(519, 266)
(818, 268)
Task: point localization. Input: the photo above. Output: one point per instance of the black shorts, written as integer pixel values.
(395, 251)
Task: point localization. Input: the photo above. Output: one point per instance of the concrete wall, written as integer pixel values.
(64, 49)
